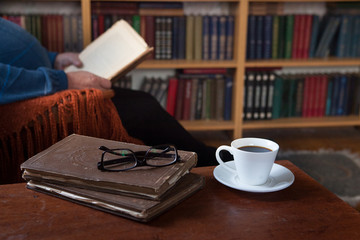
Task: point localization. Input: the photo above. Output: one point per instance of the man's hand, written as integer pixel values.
(83, 79)
(63, 60)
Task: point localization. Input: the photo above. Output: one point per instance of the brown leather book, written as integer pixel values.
(130, 207)
(73, 162)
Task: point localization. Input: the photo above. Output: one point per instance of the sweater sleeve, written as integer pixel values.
(19, 84)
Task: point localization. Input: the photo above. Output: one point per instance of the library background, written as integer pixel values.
(224, 65)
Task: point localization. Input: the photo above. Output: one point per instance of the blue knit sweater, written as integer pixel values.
(26, 68)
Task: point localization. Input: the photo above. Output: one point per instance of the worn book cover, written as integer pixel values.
(130, 207)
(114, 53)
(73, 162)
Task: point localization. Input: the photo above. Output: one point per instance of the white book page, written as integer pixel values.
(112, 51)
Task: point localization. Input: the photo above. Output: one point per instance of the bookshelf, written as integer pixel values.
(238, 66)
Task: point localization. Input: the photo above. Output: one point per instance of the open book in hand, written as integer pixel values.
(114, 53)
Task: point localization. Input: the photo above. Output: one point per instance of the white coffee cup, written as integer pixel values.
(251, 166)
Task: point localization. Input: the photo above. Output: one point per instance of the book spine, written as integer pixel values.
(329, 96)
(220, 98)
(172, 96)
(206, 38)
(180, 99)
(289, 30)
(307, 36)
(275, 37)
(263, 95)
(281, 38)
(268, 23)
(251, 41)
(299, 96)
(182, 37)
(277, 100)
(199, 99)
(213, 35)
(168, 38)
(249, 88)
(270, 96)
(189, 37)
(222, 38)
(187, 100)
(314, 35)
(175, 38)
(228, 97)
(198, 37)
(229, 37)
(150, 34)
(259, 52)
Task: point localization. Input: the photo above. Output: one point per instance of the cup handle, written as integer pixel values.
(218, 158)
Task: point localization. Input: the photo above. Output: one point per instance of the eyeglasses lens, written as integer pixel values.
(160, 156)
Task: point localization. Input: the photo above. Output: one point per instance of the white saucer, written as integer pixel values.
(280, 178)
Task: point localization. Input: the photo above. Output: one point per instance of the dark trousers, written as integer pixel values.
(145, 119)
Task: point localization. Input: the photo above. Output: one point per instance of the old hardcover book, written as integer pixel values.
(73, 162)
(130, 207)
(114, 53)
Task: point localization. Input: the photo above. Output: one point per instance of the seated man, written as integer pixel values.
(28, 70)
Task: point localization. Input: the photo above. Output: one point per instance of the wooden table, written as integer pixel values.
(305, 210)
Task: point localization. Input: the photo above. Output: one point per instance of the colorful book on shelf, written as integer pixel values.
(73, 162)
(314, 35)
(220, 98)
(277, 100)
(182, 37)
(289, 31)
(251, 38)
(259, 42)
(263, 95)
(189, 43)
(228, 97)
(214, 37)
(186, 108)
(281, 38)
(150, 33)
(270, 96)
(172, 96)
(222, 37)
(344, 36)
(229, 53)
(299, 96)
(250, 90)
(175, 38)
(275, 37)
(205, 38)
(331, 25)
(114, 53)
(307, 35)
(268, 30)
(198, 41)
(180, 99)
(143, 210)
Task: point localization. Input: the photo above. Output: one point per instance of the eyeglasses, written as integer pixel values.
(117, 160)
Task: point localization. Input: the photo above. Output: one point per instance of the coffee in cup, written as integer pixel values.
(253, 157)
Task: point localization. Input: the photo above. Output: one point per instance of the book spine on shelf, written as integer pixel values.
(229, 37)
(268, 24)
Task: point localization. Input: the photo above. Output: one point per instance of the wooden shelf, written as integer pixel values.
(296, 1)
(151, 64)
(304, 62)
(303, 122)
(204, 125)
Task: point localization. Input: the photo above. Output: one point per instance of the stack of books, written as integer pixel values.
(68, 170)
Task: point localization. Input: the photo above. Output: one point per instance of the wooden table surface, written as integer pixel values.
(305, 210)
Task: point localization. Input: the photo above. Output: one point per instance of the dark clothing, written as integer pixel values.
(144, 118)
